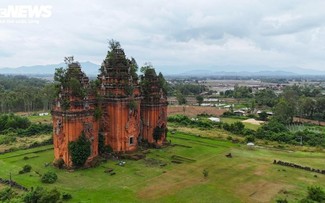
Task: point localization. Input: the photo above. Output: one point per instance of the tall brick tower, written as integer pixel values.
(120, 101)
(73, 113)
(153, 107)
(115, 107)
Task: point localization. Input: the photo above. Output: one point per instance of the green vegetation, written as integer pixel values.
(26, 169)
(80, 150)
(315, 194)
(249, 176)
(157, 133)
(49, 177)
(17, 131)
(41, 195)
(22, 93)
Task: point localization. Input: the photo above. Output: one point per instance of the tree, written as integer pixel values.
(145, 67)
(284, 111)
(266, 97)
(307, 106)
(80, 150)
(199, 99)
(181, 98)
(262, 116)
(133, 67)
(113, 44)
(157, 133)
(163, 83)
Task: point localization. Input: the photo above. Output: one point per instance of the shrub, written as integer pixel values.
(205, 173)
(49, 177)
(6, 194)
(281, 201)
(8, 138)
(41, 195)
(80, 150)
(250, 138)
(157, 133)
(315, 194)
(66, 196)
(27, 168)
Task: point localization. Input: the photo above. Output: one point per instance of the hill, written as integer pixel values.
(88, 67)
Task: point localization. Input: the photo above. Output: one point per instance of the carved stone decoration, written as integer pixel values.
(88, 129)
(58, 128)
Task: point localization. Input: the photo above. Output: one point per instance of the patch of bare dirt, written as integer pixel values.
(253, 121)
(261, 191)
(192, 111)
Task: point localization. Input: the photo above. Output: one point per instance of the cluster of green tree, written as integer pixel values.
(21, 93)
(148, 70)
(302, 101)
(273, 131)
(39, 195)
(181, 90)
(299, 101)
(200, 122)
(238, 92)
(12, 126)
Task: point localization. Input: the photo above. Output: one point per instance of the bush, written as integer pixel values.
(26, 169)
(66, 196)
(49, 177)
(8, 138)
(315, 194)
(80, 150)
(281, 201)
(41, 195)
(6, 194)
(205, 173)
(250, 139)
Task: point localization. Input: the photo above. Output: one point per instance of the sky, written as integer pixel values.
(174, 36)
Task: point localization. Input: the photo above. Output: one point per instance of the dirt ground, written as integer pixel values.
(192, 111)
(253, 121)
(304, 120)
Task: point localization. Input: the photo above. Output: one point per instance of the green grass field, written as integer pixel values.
(40, 119)
(249, 176)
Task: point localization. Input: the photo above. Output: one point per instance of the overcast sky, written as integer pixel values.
(172, 35)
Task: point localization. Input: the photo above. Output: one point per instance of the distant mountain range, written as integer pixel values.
(88, 67)
(261, 71)
(92, 69)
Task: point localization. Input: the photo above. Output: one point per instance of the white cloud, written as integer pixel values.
(172, 34)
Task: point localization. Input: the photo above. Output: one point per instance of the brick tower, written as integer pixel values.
(115, 107)
(153, 107)
(73, 114)
(120, 96)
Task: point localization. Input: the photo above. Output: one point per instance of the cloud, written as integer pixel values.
(172, 35)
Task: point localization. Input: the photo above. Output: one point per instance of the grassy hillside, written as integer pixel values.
(249, 176)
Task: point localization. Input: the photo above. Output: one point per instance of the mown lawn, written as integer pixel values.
(249, 176)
